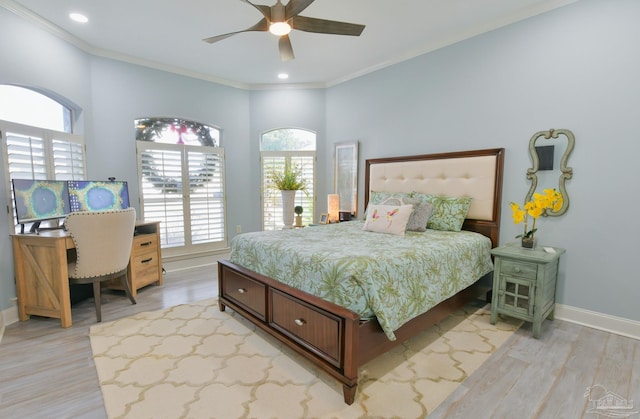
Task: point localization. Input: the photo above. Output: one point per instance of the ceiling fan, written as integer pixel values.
(280, 20)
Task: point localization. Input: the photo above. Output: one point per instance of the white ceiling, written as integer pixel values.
(168, 34)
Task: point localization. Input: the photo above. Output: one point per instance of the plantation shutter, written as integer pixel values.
(183, 187)
(26, 156)
(68, 159)
(41, 154)
(207, 196)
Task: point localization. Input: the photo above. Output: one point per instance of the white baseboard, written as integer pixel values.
(8, 316)
(197, 262)
(605, 322)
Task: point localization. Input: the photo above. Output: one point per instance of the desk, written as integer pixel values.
(42, 279)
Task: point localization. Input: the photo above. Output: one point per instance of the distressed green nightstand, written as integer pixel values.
(524, 283)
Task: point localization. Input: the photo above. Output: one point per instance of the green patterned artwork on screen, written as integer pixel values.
(85, 195)
(39, 200)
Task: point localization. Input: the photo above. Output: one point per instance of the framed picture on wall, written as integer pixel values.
(324, 218)
(346, 175)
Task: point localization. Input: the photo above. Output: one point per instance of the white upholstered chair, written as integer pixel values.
(103, 246)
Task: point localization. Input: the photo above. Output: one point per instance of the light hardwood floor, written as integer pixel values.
(48, 372)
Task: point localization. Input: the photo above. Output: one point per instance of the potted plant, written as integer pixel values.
(288, 182)
(298, 210)
(549, 199)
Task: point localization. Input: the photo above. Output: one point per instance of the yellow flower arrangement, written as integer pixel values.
(549, 199)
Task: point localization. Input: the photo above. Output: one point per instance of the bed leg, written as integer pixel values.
(349, 393)
(221, 306)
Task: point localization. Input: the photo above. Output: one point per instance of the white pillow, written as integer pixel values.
(388, 219)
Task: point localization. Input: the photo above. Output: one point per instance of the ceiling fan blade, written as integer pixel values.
(265, 10)
(261, 26)
(286, 50)
(310, 24)
(294, 7)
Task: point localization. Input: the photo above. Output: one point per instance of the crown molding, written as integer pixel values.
(28, 15)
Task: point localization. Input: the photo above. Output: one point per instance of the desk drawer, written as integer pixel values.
(518, 268)
(144, 269)
(247, 293)
(314, 329)
(143, 243)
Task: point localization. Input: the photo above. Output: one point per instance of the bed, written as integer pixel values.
(337, 308)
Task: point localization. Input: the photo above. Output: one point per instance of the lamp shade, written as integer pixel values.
(333, 206)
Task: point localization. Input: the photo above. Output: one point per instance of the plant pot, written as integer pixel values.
(298, 220)
(528, 242)
(288, 201)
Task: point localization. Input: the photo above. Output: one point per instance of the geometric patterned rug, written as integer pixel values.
(192, 361)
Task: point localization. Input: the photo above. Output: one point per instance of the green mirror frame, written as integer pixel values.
(564, 172)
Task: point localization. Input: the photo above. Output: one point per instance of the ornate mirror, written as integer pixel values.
(549, 151)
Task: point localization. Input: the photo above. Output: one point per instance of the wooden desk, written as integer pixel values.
(42, 279)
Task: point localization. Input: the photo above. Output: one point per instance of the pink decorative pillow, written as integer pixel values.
(388, 219)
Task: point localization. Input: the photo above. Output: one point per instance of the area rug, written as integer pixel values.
(192, 361)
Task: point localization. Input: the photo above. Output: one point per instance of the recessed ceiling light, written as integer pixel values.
(283, 76)
(78, 17)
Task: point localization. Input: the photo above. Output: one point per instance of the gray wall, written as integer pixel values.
(573, 68)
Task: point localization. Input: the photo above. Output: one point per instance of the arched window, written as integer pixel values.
(28, 107)
(295, 148)
(181, 174)
(37, 142)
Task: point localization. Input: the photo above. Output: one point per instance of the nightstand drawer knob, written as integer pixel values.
(242, 290)
(299, 322)
(517, 269)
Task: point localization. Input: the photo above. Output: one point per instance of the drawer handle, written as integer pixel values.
(145, 244)
(517, 269)
(501, 292)
(242, 290)
(300, 322)
(146, 260)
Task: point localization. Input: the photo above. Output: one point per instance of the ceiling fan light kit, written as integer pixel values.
(280, 20)
(280, 28)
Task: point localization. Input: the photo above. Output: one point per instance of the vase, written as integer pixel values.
(528, 242)
(288, 201)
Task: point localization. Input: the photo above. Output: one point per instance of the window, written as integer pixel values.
(280, 147)
(40, 150)
(181, 171)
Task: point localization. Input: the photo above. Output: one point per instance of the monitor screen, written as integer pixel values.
(38, 200)
(87, 195)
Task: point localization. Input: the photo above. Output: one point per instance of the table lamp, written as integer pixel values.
(333, 206)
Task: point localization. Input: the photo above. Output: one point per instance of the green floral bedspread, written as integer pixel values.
(390, 277)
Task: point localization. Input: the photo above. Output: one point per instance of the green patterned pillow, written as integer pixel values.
(376, 197)
(448, 212)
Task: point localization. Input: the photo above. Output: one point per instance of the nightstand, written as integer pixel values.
(524, 283)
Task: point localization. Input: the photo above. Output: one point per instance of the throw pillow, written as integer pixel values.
(448, 212)
(388, 219)
(377, 197)
(421, 211)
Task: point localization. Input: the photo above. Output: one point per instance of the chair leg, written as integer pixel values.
(96, 297)
(125, 285)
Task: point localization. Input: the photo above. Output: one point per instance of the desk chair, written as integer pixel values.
(103, 247)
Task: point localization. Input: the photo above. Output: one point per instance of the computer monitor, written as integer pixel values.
(91, 195)
(40, 200)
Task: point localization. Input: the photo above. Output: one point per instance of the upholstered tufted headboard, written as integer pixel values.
(476, 173)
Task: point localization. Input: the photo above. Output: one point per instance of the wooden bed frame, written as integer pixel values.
(334, 338)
